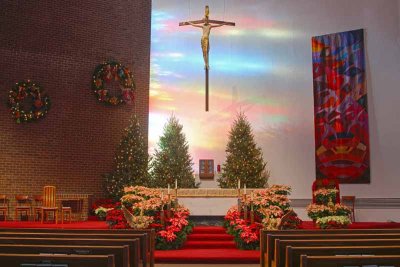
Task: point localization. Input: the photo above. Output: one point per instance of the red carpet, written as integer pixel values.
(208, 244)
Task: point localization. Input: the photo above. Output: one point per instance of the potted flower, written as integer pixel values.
(101, 212)
(315, 211)
(333, 222)
(325, 196)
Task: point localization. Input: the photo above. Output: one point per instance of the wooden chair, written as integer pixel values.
(37, 209)
(4, 206)
(49, 203)
(23, 205)
(350, 202)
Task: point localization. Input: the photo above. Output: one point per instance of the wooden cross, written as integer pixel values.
(206, 26)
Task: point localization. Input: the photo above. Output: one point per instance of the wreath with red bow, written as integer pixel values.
(105, 73)
(40, 102)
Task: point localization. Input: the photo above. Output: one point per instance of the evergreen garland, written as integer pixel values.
(171, 160)
(244, 160)
(131, 161)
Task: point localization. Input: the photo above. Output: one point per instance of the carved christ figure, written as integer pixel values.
(206, 25)
(205, 38)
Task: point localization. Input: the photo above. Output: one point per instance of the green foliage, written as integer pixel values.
(244, 160)
(171, 160)
(131, 161)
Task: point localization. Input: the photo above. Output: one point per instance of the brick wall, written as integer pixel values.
(58, 44)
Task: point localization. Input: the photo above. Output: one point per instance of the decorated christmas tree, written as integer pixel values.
(171, 160)
(244, 160)
(131, 161)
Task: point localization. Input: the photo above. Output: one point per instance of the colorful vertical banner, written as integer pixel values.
(340, 107)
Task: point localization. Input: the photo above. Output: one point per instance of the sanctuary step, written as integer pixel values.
(208, 244)
(209, 220)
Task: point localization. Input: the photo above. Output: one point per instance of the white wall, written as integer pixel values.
(380, 19)
(289, 150)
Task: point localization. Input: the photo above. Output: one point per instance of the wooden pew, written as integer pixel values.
(144, 257)
(339, 261)
(280, 252)
(15, 260)
(151, 236)
(282, 244)
(293, 253)
(121, 253)
(132, 243)
(266, 246)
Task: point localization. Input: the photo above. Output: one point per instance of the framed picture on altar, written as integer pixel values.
(206, 169)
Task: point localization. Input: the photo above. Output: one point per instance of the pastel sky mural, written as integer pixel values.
(253, 69)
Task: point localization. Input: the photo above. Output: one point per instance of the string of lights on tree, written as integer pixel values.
(131, 161)
(244, 160)
(171, 160)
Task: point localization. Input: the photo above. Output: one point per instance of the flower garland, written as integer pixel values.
(40, 102)
(105, 73)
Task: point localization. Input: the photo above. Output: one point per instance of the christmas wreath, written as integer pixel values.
(105, 73)
(40, 101)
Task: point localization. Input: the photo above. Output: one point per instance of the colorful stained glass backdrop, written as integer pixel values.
(340, 107)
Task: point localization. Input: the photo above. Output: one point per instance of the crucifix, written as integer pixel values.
(206, 25)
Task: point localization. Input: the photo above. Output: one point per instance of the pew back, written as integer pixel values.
(121, 253)
(15, 260)
(265, 247)
(282, 244)
(144, 257)
(280, 253)
(132, 243)
(293, 253)
(151, 235)
(339, 261)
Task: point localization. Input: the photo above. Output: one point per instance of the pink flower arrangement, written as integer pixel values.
(267, 207)
(145, 209)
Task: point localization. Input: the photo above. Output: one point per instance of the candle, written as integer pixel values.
(162, 196)
(168, 189)
(252, 197)
(239, 184)
(176, 183)
(244, 191)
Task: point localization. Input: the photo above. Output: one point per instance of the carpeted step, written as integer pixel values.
(209, 244)
(209, 237)
(209, 230)
(216, 256)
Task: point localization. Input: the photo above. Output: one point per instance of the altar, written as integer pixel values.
(206, 201)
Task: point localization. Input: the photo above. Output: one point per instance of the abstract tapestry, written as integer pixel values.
(340, 107)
